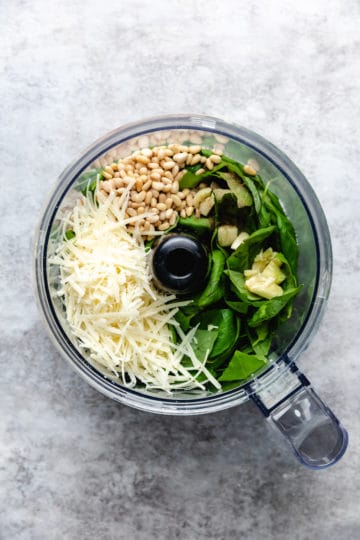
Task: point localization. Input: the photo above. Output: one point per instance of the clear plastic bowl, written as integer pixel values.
(281, 392)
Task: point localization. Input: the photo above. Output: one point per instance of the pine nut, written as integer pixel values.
(176, 199)
(181, 194)
(142, 159)
(118, 183)
(218, 149)
(138, 185)
(114, 166)
(117, 174)
(164, 226)
(147, 152)
(189, 211)
(148, 197)
(175, 147)
(175, 187)
(180, 158)
(153, 165)
(173, 219)
(107, 175)
(153, 202)
(140, 210)
(147, 185)
(254, 164)
(131, 211)
(167, 165)
(175, 170)
(189, 159)
(209, 164)
(168, 213)
(215, 158)
(179, 175)
(194, 149)
(161, 206)
(249, 170)
(199, 171)
(166, 189)
(153, 219)
(162, 197)
(162, 215)
(189, 200)
(155, 176)
(195, 159)
(158, 186)
(183, 213)
(155, 193)
(168, 203)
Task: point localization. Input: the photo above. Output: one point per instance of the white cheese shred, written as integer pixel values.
(121, 321)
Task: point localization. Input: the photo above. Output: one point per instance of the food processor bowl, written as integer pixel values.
(282, 393)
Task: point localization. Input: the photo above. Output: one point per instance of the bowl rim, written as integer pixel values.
(288, 169)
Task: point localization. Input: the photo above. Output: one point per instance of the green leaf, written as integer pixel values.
(88, 180)
(214, 289)
(261, 338)
(241, 193)
(288, 242)
(185, 315)
(193, 168)
(242, 366)
(239, 307)
(228, 328)
(238, 281)
(254, 192)
(271, 308)
(243, 257)
(191, 180)
(204, 342)
(200, 226)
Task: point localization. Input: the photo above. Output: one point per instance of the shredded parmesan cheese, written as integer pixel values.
(121, 321)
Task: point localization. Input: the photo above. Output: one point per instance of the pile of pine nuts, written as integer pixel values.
(154, 174)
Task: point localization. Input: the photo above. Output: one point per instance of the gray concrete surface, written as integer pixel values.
(73, 464)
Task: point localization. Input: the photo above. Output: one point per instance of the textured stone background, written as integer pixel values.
(73, 464)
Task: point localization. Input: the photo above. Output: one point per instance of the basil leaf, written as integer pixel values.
(238, 281)
(204, 342)
(228, 328)
(242, 366)
(239, 307)
(190, 180)
(261, 338)
(243, 257)
(199, 226)
(88, 180)
(271, 308)
(185, 315)
(214, 289)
